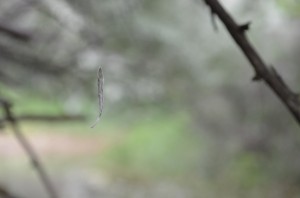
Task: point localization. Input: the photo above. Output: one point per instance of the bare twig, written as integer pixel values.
(262, 72)
(28, 149)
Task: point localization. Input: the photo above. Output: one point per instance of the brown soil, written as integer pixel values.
(52, 145)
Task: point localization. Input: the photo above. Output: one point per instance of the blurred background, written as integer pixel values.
(181, 118)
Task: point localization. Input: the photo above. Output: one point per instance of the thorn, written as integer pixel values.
(213, 20)
(244, 27)
(257, 77)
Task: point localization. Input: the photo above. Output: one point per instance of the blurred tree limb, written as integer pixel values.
(31, 61)
(53, 53)
(5, 193)
(48, 118)
(16, 34)
(9, 117)
(263, 72)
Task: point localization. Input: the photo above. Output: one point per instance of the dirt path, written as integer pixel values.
(52, 145)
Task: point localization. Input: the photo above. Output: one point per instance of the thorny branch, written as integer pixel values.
(9, 117)
(263, 72)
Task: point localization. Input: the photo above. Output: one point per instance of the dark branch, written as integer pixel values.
(268, 74)
(28, 148)
(46, 118)
(51, 118)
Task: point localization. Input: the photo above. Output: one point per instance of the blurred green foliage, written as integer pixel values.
(291, 7)
(248, 171)
(159, 146)
(30, 101)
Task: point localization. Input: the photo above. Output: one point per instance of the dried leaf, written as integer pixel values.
(100, 95)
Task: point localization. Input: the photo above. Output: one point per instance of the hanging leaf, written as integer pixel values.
(100, 83)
